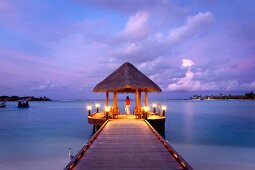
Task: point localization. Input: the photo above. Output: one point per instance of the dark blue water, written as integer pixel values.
(225, 123)
(213, 134)
(208, 134)
(39, 137)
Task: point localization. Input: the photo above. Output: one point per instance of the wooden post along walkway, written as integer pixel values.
(127, 144)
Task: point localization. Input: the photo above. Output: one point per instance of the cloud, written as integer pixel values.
(250, 85)
(48, 85)
(131, 49)
(187, 82)
(196, 80)
(79, 45)
(151, 64)
(122, 6)
(153, 45)
(187, 63)
(137, 27)
(193, 25)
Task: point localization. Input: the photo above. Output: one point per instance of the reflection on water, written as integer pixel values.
(188, 121)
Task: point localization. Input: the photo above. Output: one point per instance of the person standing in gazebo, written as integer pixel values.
(127, 103)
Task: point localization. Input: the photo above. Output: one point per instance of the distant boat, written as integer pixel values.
(2, 104)
(23, 103)
(196, 99)
(209, 98)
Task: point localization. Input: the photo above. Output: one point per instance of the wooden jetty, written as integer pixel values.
(127, 141)
(99, 118)
(155, 119)
(127, 144)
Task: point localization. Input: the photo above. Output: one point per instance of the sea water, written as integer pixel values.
(213, 134)
(207, 134)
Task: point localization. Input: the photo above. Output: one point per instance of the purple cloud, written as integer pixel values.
(122, 6)
(137, 27)
(48, 85)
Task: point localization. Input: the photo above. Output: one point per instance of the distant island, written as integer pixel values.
(30, 98)
(246, 96)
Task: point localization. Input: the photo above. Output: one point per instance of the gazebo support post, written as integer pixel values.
(137, 101)
(115, 101)
(146, 103)
(107, 99)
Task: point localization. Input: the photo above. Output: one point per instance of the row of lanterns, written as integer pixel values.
(108, 108)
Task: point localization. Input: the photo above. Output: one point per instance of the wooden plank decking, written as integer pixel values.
(127, 144)
(99, 118)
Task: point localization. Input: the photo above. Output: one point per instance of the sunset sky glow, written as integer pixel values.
(62, 49)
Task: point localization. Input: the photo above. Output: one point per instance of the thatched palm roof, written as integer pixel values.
(127, 78)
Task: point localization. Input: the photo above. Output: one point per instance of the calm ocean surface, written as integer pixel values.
(207, 134)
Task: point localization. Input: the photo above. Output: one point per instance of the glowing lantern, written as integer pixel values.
(146, 108)
(163, 109)
(97, 107)
(154, 107)
(107, 110)
(89, 107)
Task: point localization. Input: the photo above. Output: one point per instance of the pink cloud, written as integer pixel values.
(192, 82)
(137, 26)
(193, 25)
(187, 63)
(185, 83)
(48, 85)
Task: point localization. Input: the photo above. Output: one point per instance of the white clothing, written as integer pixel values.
(127, 109)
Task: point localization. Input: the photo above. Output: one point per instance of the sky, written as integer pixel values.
(62, 49)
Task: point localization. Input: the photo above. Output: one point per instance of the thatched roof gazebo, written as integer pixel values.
(127, 78)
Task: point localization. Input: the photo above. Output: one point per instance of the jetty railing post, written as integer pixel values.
(89, 107)
(107, 110)
(146, 109)
(163, 110)
(154, 107)
(106, 116)
(97, 107)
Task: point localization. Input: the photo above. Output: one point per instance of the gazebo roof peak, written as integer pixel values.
(127, 78)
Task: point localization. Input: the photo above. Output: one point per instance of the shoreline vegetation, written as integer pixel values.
(246, 96)
(29, 98)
